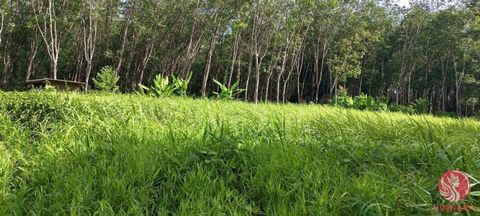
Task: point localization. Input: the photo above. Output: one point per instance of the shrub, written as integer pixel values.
(421, 106)
(227, 93)
(342, 99)
(472, 103)
(107, 80)
(365, 102)
(448, 114)
(361, 102)
(402, 108)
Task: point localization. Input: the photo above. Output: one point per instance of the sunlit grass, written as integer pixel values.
(134, 155)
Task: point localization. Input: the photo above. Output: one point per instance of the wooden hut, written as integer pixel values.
(61, 85)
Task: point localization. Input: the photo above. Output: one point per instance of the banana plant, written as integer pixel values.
(161, 87)
(181, 84)
(227, 93)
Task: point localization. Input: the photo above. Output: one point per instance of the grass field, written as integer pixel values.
(71, 154)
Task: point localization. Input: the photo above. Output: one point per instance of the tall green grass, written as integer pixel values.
(72, 154)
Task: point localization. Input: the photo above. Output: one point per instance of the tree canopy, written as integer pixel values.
(277, 50)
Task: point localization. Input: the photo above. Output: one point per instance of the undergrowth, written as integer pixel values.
(136, 155)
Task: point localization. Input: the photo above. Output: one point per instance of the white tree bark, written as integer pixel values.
(89, 39)
(47, 27)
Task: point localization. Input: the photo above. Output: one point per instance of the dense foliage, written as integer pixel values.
(107, 80)
(277, 50)
(70, 154)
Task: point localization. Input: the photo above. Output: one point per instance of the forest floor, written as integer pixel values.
(135, 155)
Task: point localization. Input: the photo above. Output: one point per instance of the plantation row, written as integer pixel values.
(107, 80)
(107, 154)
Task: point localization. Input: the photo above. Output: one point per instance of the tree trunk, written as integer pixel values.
(299, 74)
(89, 42)
(257, 78)
(282, 69)
(409, 81)
(209, 61)
(239, 67)
(458, 85)
(271, 67)
(79, 68)
(129, 74)
(31, 57)
(193, 45)
(444, 78)
(146, 58)
(234, 58)
(124, 42)
(294, 65)
(259, 55)
(49, 33)
(2, 21)
(7, 60)
(248, 77)
(305, 78)
(319, 69)
(316, 71)
(362, 74)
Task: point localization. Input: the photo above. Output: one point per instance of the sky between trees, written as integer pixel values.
(403, 3)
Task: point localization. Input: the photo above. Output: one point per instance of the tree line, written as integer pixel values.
(277, 50)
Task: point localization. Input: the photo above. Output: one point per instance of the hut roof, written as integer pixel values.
(41, 81)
